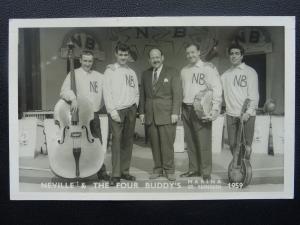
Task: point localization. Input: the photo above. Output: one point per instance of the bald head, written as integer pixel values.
(156, 57)
(155, 51)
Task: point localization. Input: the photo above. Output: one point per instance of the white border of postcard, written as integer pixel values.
(289, 121)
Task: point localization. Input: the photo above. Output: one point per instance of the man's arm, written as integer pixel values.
(107, 91)
(176, 93)
(214, 83)
(108, 96)
(253, 94)
(216, 86)
(142, 95)
(142, 100)
(137, 91)
(66, 93)
(101, 90)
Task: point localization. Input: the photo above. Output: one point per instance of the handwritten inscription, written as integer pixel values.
(93, 86)
(240, 80)
(198, 78)
(130, 81)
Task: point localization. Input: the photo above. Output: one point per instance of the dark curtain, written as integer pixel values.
(29, 70)
(258, 62)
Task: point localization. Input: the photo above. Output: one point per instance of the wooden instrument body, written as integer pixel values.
(203, 102)
(62, 161)
(242, 172)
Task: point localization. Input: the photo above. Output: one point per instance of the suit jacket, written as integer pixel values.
(158, 103)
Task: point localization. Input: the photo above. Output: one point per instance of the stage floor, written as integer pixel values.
(267, 175)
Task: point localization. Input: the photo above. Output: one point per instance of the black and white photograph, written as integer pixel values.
(152, 108)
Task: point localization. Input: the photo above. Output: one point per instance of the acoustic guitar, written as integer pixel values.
(239, 169)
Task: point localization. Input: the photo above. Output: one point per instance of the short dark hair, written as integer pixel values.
(86, 52)
(122, 47)
(161, 52)
(236, 46)
(192, 44)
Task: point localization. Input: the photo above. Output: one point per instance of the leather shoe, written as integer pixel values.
(127, 177)
(206, 177)
(190, 174)
(155, 175)
(171, 177)
(113, 181)
(103, 176)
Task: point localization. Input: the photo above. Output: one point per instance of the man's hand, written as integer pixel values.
(111, 66)
(74, 106)
(142, 118)
(245, 117)
(115, 116)
(174, 118)
(211, 117)
(214, 115)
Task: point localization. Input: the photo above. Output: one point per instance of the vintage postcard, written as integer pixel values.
(152, 108)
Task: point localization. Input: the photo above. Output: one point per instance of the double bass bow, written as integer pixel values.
(239, 169)
(77, 153)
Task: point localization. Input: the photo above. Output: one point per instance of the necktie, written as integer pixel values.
(155, 76)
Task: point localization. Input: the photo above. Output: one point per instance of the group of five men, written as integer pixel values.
(163, 92)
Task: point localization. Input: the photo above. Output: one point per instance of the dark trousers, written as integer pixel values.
(233, 126)
(96, 132)
(122, 140)
(198, 136)
(162, 139)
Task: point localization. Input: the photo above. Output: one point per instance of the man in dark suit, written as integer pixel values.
(160, 100)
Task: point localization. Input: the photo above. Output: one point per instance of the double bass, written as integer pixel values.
(77, 153)
(240, 172)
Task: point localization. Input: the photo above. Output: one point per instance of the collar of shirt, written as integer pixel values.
(117, 65)
(83, 71)
(158, 70)
(241, 66)
(199, 64)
